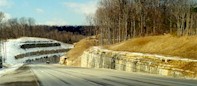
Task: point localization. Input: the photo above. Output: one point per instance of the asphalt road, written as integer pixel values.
(55, 75)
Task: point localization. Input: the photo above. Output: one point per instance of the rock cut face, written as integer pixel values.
(30, 48)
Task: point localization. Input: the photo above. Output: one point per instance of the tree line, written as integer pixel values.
(26, 27)
(119, 20)
(43, 52)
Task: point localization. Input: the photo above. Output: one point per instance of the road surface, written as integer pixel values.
(56, 75)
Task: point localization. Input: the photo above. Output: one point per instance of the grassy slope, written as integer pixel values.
(185, 46)
(166, 45)
(79, 47)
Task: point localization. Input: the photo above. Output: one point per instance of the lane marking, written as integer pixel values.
(36, 79)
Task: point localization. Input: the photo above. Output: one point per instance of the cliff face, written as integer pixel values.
(24, 49)
(96, 57)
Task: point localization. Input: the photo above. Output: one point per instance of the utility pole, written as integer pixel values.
(1, 59)
(4, 51)
(1, 64)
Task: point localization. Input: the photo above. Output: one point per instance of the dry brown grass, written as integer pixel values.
(168, 45)
(74, 54)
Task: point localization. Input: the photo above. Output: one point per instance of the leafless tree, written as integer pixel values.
(120, 20)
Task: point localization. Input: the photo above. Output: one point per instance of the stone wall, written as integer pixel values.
(132, 62)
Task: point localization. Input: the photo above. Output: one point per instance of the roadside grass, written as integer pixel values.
(74, 54)
(167, 45)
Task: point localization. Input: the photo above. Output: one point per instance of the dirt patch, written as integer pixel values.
(21, 77)
(32, 83)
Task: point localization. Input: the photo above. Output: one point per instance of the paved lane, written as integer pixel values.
(55, 75)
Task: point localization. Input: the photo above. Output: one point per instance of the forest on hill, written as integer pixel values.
(120, 20)
(115, 21)
(26, 27)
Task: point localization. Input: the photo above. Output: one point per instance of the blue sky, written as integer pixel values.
(50, 12)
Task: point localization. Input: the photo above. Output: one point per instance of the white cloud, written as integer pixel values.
(7, 16)
(84, 8)
(55, 21)
(40, 11)
(4, 3)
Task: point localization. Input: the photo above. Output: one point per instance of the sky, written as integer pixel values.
(50, 12)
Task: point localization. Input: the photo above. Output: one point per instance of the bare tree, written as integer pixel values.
(120, 20)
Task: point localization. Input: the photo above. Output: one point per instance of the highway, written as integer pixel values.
(56, 75)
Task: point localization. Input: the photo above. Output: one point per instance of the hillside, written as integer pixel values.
(15, 51)
(167, 45)
(163, 45)
(165, 54)
(73, 56)
(71, 33)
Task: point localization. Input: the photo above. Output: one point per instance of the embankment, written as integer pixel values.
(72, 57)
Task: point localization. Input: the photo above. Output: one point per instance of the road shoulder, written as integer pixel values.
(21, 77)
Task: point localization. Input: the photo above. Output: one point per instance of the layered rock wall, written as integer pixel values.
(134, 62)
